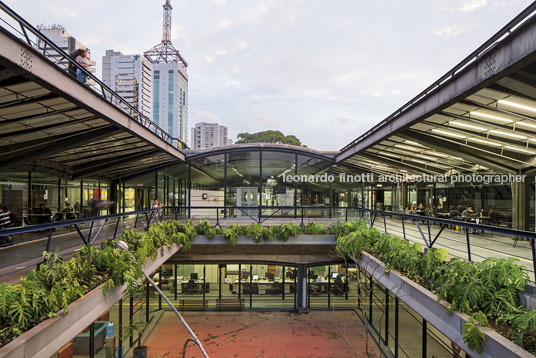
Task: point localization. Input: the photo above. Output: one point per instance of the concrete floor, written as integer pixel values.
(263, 334)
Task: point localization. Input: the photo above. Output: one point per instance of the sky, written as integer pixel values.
(325, 71)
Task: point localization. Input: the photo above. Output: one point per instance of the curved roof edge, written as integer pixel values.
(198, 153)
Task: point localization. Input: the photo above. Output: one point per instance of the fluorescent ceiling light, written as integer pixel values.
(450, 134)
(413, 143)
(519, 149)
(437, 154)
(491, 116)
(508, 134)
(406, 147)
(416, 160)
(526, 124)
(468, 126)
(390, 154)
(517, 105)
(486, 142)
(426, 157)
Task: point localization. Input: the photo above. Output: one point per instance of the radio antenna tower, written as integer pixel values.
(164, 51)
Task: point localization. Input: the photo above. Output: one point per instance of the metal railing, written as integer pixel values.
(463, 239)
(19, 27)
(25, 248)
(468, 240)
(501, 35)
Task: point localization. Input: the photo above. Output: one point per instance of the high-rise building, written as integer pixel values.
(170, 83)
(209, 135)
(64, 40)
(131, 76)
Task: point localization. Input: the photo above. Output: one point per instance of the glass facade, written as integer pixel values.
(230, 286)
(156, 98)
(171, 91)
(396, 326)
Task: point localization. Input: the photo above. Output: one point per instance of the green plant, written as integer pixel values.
(313, 229)
(205, 228)
(255, 231)
(525, 321)
(472, 334)
(232, 233)
(488, 288)
(57, 283)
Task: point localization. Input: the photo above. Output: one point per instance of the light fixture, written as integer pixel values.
(416, 160)
(508, 134)
(485, 141)
(450, 134)
(465, 125)
(426, 157)
(406, 147)
(491, 116)
(517, 105)
(413, 143)
(437, 154)
(525, 124)
(521, 150)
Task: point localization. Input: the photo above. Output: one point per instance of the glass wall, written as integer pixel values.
(275, 191)
(331, 286)
(383, 311)
(243, 183)
(118, 330)
(232, 286)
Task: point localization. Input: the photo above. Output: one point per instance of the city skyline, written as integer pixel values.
(299, 67)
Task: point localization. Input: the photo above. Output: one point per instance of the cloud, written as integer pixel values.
(342, 121)
(452, 30)
(471, 5)
(206, 116)
(297, 66)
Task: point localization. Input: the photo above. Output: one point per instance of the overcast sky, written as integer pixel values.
(325, 71)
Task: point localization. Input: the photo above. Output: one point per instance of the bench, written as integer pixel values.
(193, 304)
(229, 303)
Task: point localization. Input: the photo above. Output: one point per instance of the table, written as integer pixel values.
(185, 286)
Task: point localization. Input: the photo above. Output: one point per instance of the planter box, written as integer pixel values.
(51, 335)
(246, 240)
(425, 304)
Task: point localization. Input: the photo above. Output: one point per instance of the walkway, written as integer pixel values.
(264, 334)
(16, 260)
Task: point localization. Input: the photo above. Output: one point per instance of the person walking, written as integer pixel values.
(72, 67)
(83, 60)
(157, 213)
(5, 222)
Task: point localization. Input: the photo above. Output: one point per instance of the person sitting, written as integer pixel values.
(468, 213)
(410, 210)
(69, 212)
(44, 214)
(438, 210)
(420, 209)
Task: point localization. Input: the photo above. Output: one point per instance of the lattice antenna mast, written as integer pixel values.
(166, 34)
(164, 51)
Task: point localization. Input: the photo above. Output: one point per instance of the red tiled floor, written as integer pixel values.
(263, 334)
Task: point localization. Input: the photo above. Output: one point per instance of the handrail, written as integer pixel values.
(501, 35)
(100, 87)
(58, 224)
(259, 214)
(531, 235)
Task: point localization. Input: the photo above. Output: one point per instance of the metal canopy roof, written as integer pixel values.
(481, 116)
(51, 123)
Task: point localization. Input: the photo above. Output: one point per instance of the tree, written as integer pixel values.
(269, 136)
